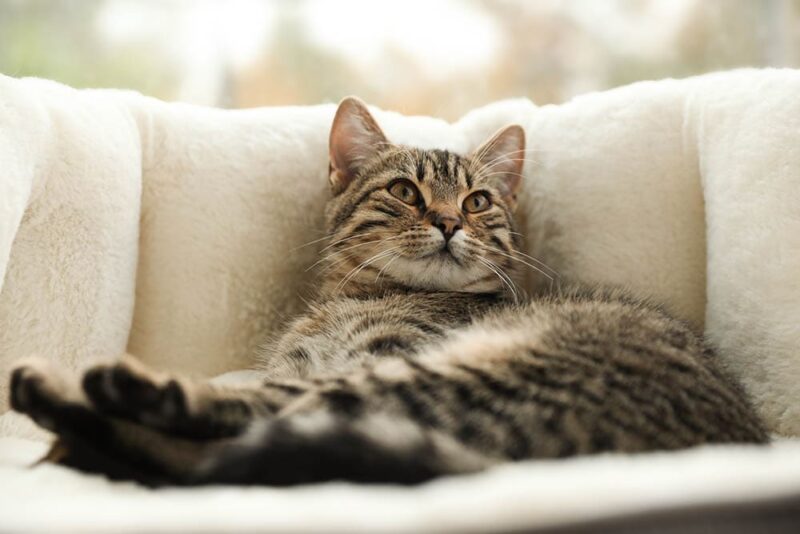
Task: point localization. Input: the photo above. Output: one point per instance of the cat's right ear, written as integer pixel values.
(355, 138)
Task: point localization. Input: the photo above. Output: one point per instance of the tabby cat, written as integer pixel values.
(416, 360)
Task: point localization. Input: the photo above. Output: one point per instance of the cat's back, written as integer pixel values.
(594, 370)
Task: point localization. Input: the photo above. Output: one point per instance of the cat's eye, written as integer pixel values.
(405, 191)
(477, 202)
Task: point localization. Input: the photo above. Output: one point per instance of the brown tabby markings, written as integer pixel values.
(362, 223)
(415, 361)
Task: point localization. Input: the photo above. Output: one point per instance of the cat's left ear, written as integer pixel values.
(355, 138)
(501, 158)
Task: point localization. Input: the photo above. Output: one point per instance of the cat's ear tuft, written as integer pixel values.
(501, 158)
(355, 138)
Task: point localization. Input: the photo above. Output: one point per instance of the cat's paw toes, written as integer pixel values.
(36, 392)
(25, 381)
(127, 390)
(117, 387)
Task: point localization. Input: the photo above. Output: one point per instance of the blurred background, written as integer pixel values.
(437, 57)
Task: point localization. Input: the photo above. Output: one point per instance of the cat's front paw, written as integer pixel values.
(40, 392)
(127, 389)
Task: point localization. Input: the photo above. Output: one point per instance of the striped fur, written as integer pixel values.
(377, 240)
(418, 359)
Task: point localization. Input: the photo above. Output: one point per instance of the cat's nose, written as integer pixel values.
(447, 224)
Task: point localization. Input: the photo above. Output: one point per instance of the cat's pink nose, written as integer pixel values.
(447, 224)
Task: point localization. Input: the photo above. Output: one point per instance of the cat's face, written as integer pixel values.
(426, 219)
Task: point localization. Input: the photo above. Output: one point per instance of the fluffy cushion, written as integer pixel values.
(518, 497)
(176, 231)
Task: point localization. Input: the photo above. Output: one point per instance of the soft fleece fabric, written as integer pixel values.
(174, 232)
(512, 498)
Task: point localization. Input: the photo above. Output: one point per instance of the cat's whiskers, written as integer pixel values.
(349, 238)
(488, 166)
(339, 261)
(476, 160)
(386, 266)
(509, 156)
(304, 245)
(356, 270)
(339, 241)
(333, 244)
(539, 262)
(482, 151)
(476, 248)
(496, 173)
(514, 258)
(485, 174)
(515, 290)
(501, 275)
(335, 253)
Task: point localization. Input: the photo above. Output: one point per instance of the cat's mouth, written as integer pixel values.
(436, 252)
(444, 254)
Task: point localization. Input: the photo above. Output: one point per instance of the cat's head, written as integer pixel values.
(420, 219)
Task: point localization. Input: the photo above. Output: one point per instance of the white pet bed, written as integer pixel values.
(516, 497)
(172, 232)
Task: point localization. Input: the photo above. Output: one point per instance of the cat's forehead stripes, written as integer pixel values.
(442, 177)
(442, 173)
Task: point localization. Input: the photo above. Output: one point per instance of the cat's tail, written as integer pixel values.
(319, 447)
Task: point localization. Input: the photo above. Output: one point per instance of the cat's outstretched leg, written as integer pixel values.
(93, 442)
(181, 407)
(322, 445)
(334, 431)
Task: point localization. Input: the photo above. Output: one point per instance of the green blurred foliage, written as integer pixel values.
(56, 39)
(546, 55)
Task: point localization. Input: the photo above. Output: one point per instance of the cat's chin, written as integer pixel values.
(442, 255)
(438, 271)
